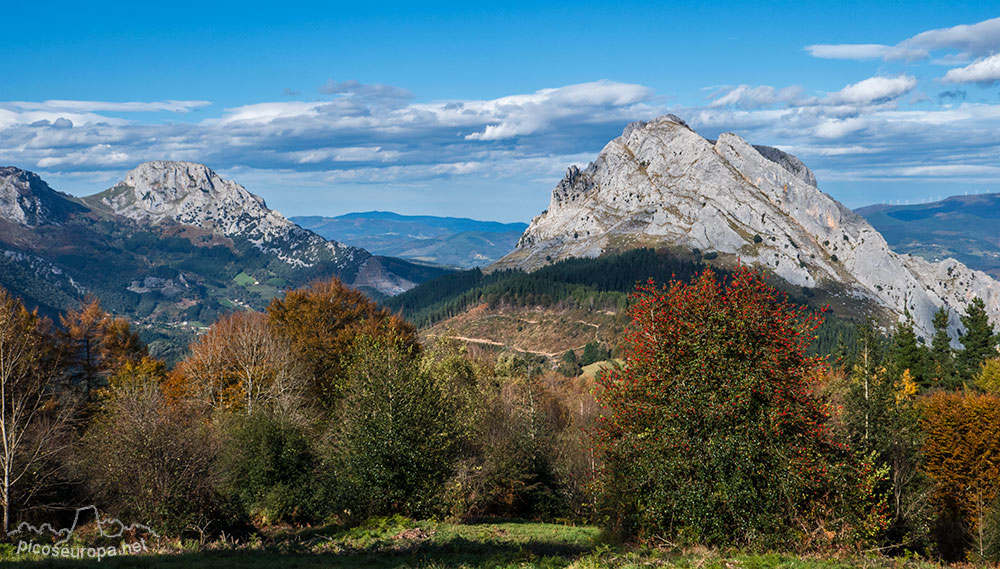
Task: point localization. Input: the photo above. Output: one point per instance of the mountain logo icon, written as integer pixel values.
(107, 527)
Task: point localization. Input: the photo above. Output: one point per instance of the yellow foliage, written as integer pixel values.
(988, 378)
(906, 388)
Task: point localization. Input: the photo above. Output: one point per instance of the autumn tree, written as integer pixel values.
(33, 419)
(96, 344)
(146, 457)
(712, 433)
(322, 321)
(988, 378)
(242, 364)
(962, 452)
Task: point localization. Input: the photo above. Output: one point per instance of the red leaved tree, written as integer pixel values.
(712, 432)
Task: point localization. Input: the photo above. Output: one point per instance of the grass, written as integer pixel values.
(397, 542)
(244, 279)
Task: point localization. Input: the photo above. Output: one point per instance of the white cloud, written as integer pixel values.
(973, 40)
(107, 106)
(859, 51)
(747, 97)
(985, 71)
(833, 128)
(875, 89)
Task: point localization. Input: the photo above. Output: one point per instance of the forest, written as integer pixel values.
(721, 427)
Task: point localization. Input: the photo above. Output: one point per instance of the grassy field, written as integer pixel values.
(400, 543)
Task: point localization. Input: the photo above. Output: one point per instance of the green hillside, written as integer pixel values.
(603, 284)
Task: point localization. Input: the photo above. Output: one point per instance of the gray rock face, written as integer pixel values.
(27, 200)
(660, 183)
(192, 194)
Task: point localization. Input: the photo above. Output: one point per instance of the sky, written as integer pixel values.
(476, 109)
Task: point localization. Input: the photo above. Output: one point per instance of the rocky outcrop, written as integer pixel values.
(661, 183)
(192, 194)
(27, 200)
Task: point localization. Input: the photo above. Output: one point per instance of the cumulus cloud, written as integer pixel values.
(868, 130)
(985, 71)
(974, 40)
(875, 90)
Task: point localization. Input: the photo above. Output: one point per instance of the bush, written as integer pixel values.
(711, 432)
(269, 468)
(150, 460)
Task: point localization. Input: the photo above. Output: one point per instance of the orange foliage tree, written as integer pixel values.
(323, 321)
(95, 345)
(240, 364)
(962, 456)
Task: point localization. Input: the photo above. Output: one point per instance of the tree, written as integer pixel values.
(242, 364)
(399, 434)
(149, 458)
(988, 378)
(592, 353)
(908, 353)
(962, 451)
(569, 366)
(882, 423)
(942, 355)
(33, 420)
(712, 433)
(979, 339)
(96, 344)
(321, 323)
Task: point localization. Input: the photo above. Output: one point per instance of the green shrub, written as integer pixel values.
(270, 469)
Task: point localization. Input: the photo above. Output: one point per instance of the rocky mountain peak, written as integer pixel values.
(27, 200)
(662, 184)
(186, 192)
(193, 194)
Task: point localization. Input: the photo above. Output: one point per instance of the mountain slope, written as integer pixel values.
(171, 247)
(662, 184)
(451, 241)
(962, 227)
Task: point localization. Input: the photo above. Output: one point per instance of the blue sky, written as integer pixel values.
(476, 109)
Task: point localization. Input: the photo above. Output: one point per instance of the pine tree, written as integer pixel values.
(979, 340)
(942, 355)
(909, 353)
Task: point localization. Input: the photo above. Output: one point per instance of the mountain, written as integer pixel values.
(171, 247)
(661, 184)
(449, 241)
(961, 227)
(27, 200)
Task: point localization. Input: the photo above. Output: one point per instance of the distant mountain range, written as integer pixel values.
(966, 228)
(171, 246)
(448, 241)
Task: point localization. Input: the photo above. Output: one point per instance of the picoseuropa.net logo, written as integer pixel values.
(48, 541)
